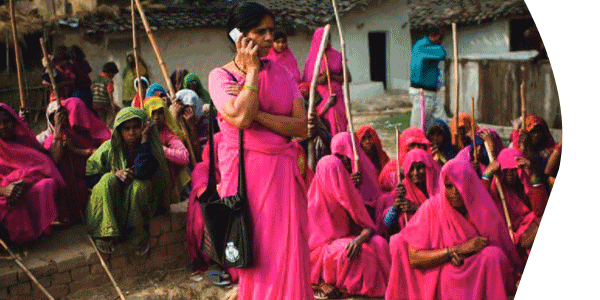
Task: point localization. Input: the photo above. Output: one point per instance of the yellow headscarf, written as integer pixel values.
(154, 103)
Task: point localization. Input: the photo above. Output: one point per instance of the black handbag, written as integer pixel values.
(228, 232)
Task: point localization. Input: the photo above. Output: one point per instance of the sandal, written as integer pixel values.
(104, 246)
(143, 250)
(218, 278)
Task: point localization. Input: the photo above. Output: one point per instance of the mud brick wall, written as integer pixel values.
(66, 272)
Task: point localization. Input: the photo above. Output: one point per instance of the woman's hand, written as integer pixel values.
(189, 115)
(353, 248)
(146, 131)
(177, 109)
(357, 178)
(492, 168)
(488, 140)
(233, 88)
(408, 206)
(125, 175)
(471, 246)
(247, 54)
(400, 194)
(525, 164)
(60, 121)
(456, 259)
(312, 125)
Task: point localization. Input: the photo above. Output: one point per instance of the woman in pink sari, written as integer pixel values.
(456, 246)
(420, 182)
(282, 54)
(331, 109)
(77, 134)
(523, 192)
(29, 181)
(270, 110)
(346, 257)
(409, 139)
(365, 178)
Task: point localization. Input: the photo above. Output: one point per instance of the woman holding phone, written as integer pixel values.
(270, 110)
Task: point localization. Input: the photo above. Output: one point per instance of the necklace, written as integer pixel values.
(238, 67)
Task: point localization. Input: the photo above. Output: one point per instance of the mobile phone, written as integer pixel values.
(235, 34)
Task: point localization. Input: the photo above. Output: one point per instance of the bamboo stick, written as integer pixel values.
(165, 72)
(422, 104)
(475, 158)
(455, 47)
(13, 22)
(502, 198)
(135, 55)
(346, 85)
(103, 263)
(49, 69)
(522, 90)
(400, 171)
(313, 88)
(22, 266)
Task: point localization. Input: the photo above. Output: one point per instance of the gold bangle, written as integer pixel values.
(250, 87)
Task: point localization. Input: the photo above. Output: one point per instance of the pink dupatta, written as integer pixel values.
(287, 59)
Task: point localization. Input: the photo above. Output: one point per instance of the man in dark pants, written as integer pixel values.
(426, 56)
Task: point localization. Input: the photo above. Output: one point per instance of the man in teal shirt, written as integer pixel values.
(426, 56)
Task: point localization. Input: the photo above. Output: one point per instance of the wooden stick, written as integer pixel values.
(22, 266)
(13, 22)
(475, 158)
(455, 47)
(400, 171)
(502, 198)
(346, 85)
(49, 69)
(312, 92)
(165, 72)
(422, 104)
(135, 56)
(328, 75)
(523, 112)
(112, 279)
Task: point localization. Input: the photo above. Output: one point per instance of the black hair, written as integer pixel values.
(110, 67)
(280, 34)
(246, 16)
(178, 75)
(434, 31)
(76, 53)
(60, 54)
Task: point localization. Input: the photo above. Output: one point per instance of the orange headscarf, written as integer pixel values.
(464, 119)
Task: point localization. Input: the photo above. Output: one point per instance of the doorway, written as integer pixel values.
(378, 56)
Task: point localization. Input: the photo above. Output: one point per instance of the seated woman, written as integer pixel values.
(456, 246)
(537, 145)
(484, 138)
(365, 178)
(188, 106)
(29, 181)
(77, 134)
(370, 143)
(465, 123)
(439, 136)
(346, 257)
(130, 181)
(409, 139)
(176, 153)
(523, 191)
(420, 182)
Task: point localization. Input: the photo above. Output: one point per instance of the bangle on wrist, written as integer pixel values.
(250, 87)
(487, 176)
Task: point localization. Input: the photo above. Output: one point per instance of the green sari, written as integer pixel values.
(203, 93)
(124, 211)
(129, 77)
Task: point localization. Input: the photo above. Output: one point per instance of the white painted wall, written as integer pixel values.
(382, 16)
(489, 38)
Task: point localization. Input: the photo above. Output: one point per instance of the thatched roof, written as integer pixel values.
(425, 13)
(297, 14)
(26, 22)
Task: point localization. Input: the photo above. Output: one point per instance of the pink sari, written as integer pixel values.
(521, 216)
(369, 189)
(488, 274)
(336, 115)
(287, 59)
(73, 199)
(336, 217)
(413, 193)
(276, 194)
(23, 160)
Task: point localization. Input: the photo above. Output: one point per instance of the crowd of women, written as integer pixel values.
(431, 224)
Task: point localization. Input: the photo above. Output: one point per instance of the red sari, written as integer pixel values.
(383, 157)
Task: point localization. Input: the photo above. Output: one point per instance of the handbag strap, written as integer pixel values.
(212, 180)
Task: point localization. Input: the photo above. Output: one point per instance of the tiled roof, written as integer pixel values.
(424, 13)
(296, 14)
